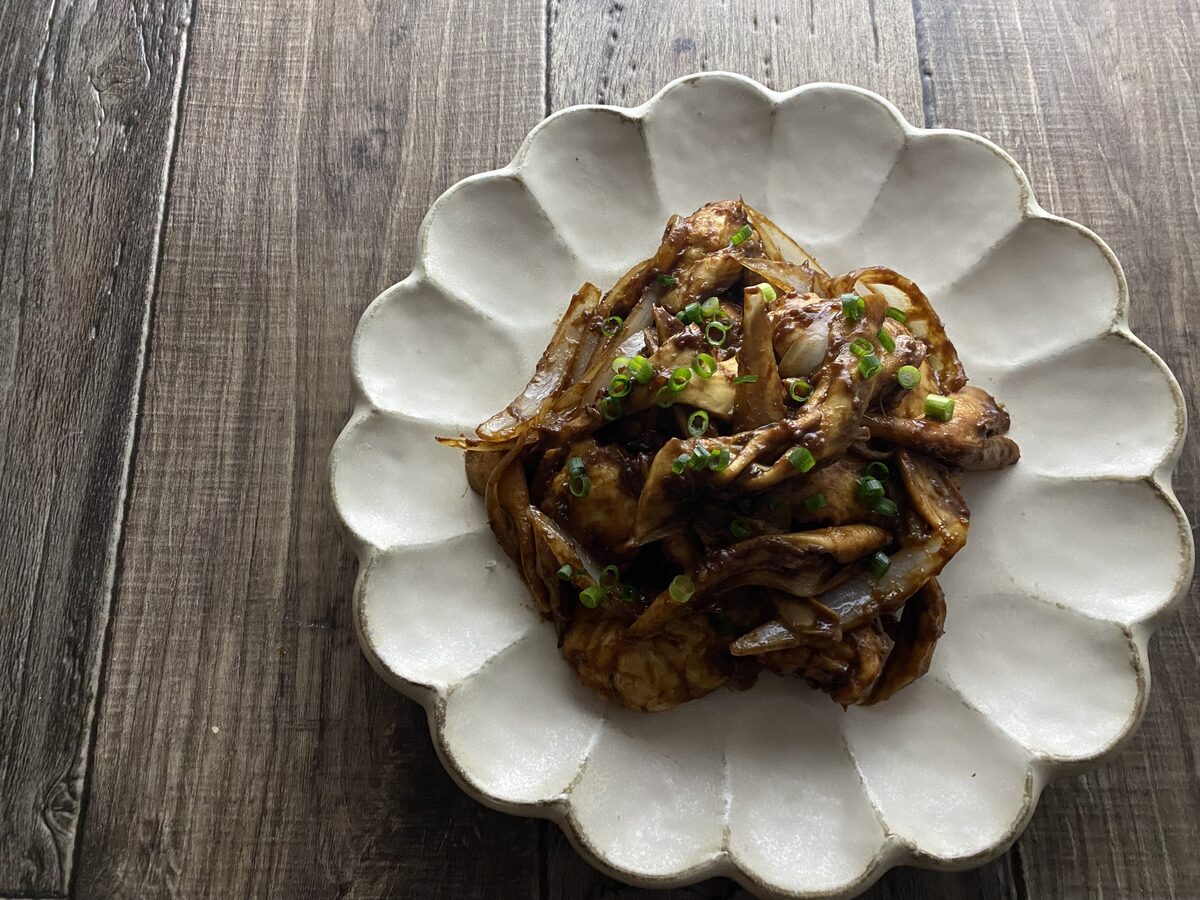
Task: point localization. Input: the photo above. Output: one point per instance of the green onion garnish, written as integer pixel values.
(745, 379)
(697, 423)
(591, 596)
(815, 502)
(715, 332)
(691, 313)
(620, 386)
(681, 463)
(681, 589)
(877, 470)
(939, 408)
(610, 408)
(740, 529)
(799, 389)
(898, 314)
(611, 325)
(719, 462)
(869, 366)
(860, 347)
(566, 573)
(629, 593)
(868, 490)
(740, 236)
(885, 341)
(767, 293)
(801, 459)
(710, 307)
(665, 280)
(878, 564)
(640, 369)
(909, 377)
(700, 457)
(664, 397)
(610, 575)
(853, 306)
(620, 364)
(680, 376)
(884, 507)
(704, 365)
(580, 485)
(575, 466)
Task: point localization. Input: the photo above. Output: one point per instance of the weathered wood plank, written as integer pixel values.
(245, 749)
(87, 112)
(602, 52)
(1099, 103)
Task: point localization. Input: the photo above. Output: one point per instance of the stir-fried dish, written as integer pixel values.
(734, 460)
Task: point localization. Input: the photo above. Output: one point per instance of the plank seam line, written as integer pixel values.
(924, 70)
(546, 58)
(115, 569)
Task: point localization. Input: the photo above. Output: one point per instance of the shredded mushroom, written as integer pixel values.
(735, 461)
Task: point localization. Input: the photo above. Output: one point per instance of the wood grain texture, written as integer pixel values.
(245, 748)
(622, 52)
(87, 102)
(1099, 102)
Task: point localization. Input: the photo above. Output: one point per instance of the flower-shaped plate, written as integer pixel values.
(1074, 554)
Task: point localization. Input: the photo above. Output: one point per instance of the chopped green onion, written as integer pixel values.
(939, 408)
(664, 397)
(580, 485)
(681, 589)
(566, 573)
(697, 423)
(868, 490)
(869, 366)
(877, 470)
(799, 389)
(885, 507)
(700, 457)
(898, 314)
(719, 462)
(704, 365)
(591, 596)
(665, 280)
(629, 594)
(767, 293)
(885, 341)
(740, 529)
(575, 466)
(745, 379)
(680, 376)
(801, 459)
(640, 369)
(611, 325)
(877, 564)
(610, 575)
(853, 306)
(715, 333)
(691, 313)
(681, 463)
(620, 364)
(610, 408)
(815, 502)
(740, 236)
(860, 347)
(620, 386)
(909, 377)
(710, 307)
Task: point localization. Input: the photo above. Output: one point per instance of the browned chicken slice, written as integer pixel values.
(847, 669)
(684, 661)
(603, 519)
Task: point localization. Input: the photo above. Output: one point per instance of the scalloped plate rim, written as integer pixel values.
(893, 851)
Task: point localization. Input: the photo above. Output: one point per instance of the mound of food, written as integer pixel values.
(734, 460)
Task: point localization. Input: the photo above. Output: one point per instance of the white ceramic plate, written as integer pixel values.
(1074, 554)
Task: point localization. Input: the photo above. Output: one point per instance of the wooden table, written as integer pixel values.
(197, 200)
